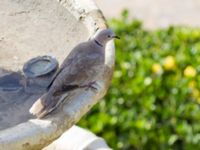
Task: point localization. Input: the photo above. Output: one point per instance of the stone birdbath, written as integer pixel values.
(29, 29)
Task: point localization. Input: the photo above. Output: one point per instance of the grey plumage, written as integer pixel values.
(80, 68)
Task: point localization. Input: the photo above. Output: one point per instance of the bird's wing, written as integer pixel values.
(76, 54)
(73, 73)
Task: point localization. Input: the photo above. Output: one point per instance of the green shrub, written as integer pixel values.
(153, 102)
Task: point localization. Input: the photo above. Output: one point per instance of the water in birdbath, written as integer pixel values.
(19, 90)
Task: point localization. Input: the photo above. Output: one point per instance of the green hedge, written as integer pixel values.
(153, 102)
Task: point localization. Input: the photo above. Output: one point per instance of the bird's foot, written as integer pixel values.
(91, 85)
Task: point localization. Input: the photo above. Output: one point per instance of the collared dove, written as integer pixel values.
(80, 69)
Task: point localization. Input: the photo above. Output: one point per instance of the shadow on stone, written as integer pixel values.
(17, 94)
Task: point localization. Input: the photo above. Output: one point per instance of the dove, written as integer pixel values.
(80, 69)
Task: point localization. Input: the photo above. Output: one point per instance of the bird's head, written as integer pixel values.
(102, 36)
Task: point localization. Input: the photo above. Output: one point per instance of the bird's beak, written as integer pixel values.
(115, 37)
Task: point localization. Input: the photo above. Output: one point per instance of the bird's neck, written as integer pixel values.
(98, 43)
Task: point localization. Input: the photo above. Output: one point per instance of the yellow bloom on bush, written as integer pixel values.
(169, 63)
(156, 68)
(190, 71)
(198, 100)
(195, 93)
(192, 84)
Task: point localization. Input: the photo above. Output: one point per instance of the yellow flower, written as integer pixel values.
(195, 93)
(192, 84)
(169, 63)
(190, 71)
(156, 68)
(198, 100)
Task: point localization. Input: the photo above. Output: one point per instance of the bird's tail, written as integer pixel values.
(37, 109)
(46, 104)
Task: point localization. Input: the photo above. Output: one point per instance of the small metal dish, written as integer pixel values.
(40, 66)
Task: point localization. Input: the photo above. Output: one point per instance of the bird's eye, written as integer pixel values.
(109, 36)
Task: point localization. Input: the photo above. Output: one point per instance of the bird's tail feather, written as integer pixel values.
(44, 105)
(37, 108)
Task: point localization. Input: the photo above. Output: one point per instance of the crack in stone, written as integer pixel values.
(19, 13)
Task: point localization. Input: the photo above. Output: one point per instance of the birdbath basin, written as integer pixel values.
(31, 29)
